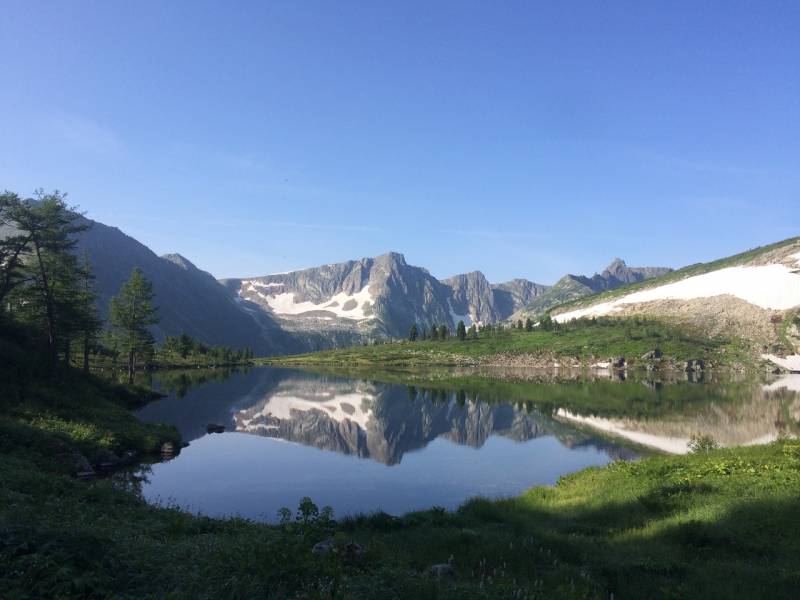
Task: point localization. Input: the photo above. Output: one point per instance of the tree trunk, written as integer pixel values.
(48, 300)
(67, 352)
(131, 366)
(86, 353)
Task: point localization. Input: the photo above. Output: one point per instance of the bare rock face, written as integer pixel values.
(380, 296)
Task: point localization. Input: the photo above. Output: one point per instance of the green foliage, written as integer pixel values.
(413, 333)
(132, 313)
(183, 350)
(42, 283)
(702, 443)
(461, 331)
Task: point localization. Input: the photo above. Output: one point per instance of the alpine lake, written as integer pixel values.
(400, 441)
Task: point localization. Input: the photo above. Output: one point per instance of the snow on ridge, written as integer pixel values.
(791, 362)
(774, 286)
(456, 317)
(284, 304)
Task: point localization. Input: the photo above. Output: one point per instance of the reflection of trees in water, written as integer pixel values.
(181, 381)
(133, 479)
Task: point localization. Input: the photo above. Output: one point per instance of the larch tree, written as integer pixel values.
(132, 312)
(50, 296)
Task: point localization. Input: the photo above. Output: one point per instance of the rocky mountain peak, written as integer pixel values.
(181, 261)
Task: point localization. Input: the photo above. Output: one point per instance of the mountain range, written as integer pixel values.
(323, 307)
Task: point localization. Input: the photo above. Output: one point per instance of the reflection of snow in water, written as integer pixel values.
(673, 445)
(352, 406)
(788, 382)
(757, 420)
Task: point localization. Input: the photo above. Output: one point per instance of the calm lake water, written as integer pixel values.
(363, 446)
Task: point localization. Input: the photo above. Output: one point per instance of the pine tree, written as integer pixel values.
(413, 333)
(519, 324)
(443, 332)
(461, 331)
(433, 334)
(132, 312)
(528, 324)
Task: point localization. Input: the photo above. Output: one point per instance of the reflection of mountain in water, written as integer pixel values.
(384, 421)
(758, 417)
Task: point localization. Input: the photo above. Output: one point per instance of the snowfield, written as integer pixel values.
(456, 317)
(773, 286)
(791, 362)
(347, 306)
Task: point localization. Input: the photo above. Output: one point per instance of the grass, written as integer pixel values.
(711, 525)
(582, 340)
(714, 525)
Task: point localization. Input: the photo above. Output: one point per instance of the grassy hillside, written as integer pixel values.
(583, 341)
(721, 524)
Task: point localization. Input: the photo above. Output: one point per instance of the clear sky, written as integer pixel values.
(524, 139)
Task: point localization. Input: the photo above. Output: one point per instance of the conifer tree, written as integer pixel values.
(132, 312)
(51, 295)
(413, 333)
(461, 331)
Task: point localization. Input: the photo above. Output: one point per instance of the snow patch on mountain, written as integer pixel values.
(791, 362)
(456, 317)
(774, 286)
(347, 306)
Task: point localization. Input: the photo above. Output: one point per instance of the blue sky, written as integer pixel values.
(524, 139)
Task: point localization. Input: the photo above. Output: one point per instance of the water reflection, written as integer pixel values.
(759, 414)
(359, 444)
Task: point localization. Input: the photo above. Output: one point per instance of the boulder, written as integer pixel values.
(652, 355)
(323, 547)
(694, 364)
(443, 570)
(81, 467)
(106, 459)
(353, 550)
(618, 363)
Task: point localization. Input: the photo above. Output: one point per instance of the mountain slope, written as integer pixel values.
(572, 287)
(347, 301)
(189, 300)
(381, 296)
(754, 295)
